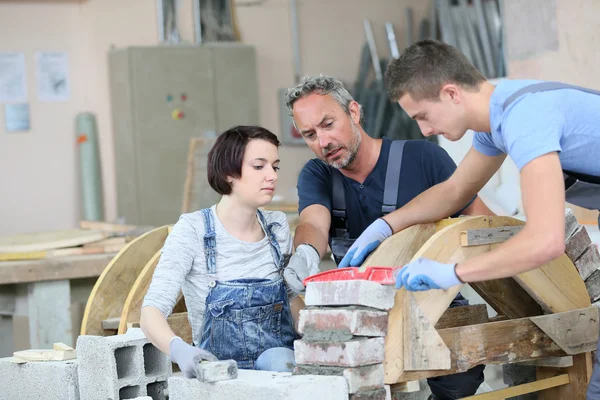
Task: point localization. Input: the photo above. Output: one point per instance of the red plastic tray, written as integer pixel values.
(382, 275)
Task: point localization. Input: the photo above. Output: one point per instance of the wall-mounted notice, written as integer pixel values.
(13, 83)
(16, 117)
(53, 76)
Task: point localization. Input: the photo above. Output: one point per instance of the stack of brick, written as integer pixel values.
(121, 367)
(343, 330)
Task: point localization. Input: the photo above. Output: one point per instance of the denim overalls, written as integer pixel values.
(245, 317)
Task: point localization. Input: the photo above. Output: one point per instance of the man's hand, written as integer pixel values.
(303, 263)
(188, 357)
(368, 241)
(424, 274)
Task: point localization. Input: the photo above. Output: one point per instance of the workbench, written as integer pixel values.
(42, 301)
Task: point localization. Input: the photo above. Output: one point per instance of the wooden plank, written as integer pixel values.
(113, 286)
(525, 388)
(405, 387)
(577, 243)
(428, 350)
(45, 355)
(132, 308)
(105, 226)
(574, 331)
(553, 362)
(59, 346)
(588, 262)
(477, 237)
(197, 193)
(463, 316)
(579, 376)
(111, 324)
(507, 298)
(61, 268)
(41, 241)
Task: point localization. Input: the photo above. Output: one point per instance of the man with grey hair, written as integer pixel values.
(354, 181)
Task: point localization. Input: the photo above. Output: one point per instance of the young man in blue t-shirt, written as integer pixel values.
(345, 191)
(550, 130)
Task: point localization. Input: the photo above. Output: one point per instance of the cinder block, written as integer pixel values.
(359, 379)
(577, 243)
(351, 353)
(340, 324)
(350, 293)
(213, 371)
(379, 394)
(121, 367)
(261, 385)
(48, 380)
(588, 262)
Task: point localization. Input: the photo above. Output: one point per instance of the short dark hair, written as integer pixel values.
(426, 66)
(227, 154)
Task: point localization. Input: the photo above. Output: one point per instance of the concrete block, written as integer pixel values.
(359, 379)
(379, 394)
(351, 353)
(48, 380)
(588, 262)
(340, 324)
(121, 367)
(217, 370)
(350, 293)
(518, 374)
(577, 243)
(261, 385)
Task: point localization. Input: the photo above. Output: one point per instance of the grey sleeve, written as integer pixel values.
(175, 263)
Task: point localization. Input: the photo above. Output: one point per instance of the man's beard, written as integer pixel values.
(352, 150)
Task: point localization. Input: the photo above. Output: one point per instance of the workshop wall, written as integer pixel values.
(38, 169)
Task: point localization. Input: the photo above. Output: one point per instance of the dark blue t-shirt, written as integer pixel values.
(424, 164)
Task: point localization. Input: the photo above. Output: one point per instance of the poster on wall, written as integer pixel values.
(13, 83)
(53, 76)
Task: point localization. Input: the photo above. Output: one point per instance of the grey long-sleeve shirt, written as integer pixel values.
(182, 264)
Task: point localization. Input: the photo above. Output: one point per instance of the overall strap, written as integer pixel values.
(392, 177)
(339, 220)
(275, 249)
(544, 87)
(210, 241)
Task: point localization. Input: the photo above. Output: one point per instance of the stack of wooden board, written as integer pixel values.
(90, 238)
(59, 352)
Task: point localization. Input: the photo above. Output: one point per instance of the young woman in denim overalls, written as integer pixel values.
(228, 260)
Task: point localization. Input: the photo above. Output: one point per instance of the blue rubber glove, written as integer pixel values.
(368, 241)
(423, 274)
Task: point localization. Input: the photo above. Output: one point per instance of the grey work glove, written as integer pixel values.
(303, 263)
(188, 357)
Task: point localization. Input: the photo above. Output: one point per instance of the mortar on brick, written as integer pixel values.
(341, 323)
(359, 379)
(352, 353)
(48, 380)
(379, 394)
(349, 293)
(261, 385)
(156, 390)
(129, 392)
(155, 362)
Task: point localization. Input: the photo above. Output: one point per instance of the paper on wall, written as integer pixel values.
(13, 80)
(53, 76)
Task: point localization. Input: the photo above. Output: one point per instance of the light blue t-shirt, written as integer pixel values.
(564, 120)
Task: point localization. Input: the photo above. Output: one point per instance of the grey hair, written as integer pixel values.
(322, 85)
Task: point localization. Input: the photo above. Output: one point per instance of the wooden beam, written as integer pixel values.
(575, 331)
(507, 297)
(519, 390)
(579, 376)
(554, 362)
(463, 316)
(425, 350)
(477, 237)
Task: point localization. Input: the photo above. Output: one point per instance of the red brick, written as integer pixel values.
(588, 262)
(350, 293)
(352, 353)
(360, 379)
(341, 323)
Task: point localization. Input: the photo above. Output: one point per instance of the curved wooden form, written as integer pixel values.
(114, 284)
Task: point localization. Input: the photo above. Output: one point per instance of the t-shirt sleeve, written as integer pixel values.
(438, 167)
(314, 185)
(530, 131)
(176, 259)
(483, 143)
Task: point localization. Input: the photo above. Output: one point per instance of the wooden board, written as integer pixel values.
(463, 316)
(45, 355)
(197, 192)
(507, 298)
(579, 377)
(477, 237)
(132, 309)
(525, 388)
(112, 288)
(41, 241)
